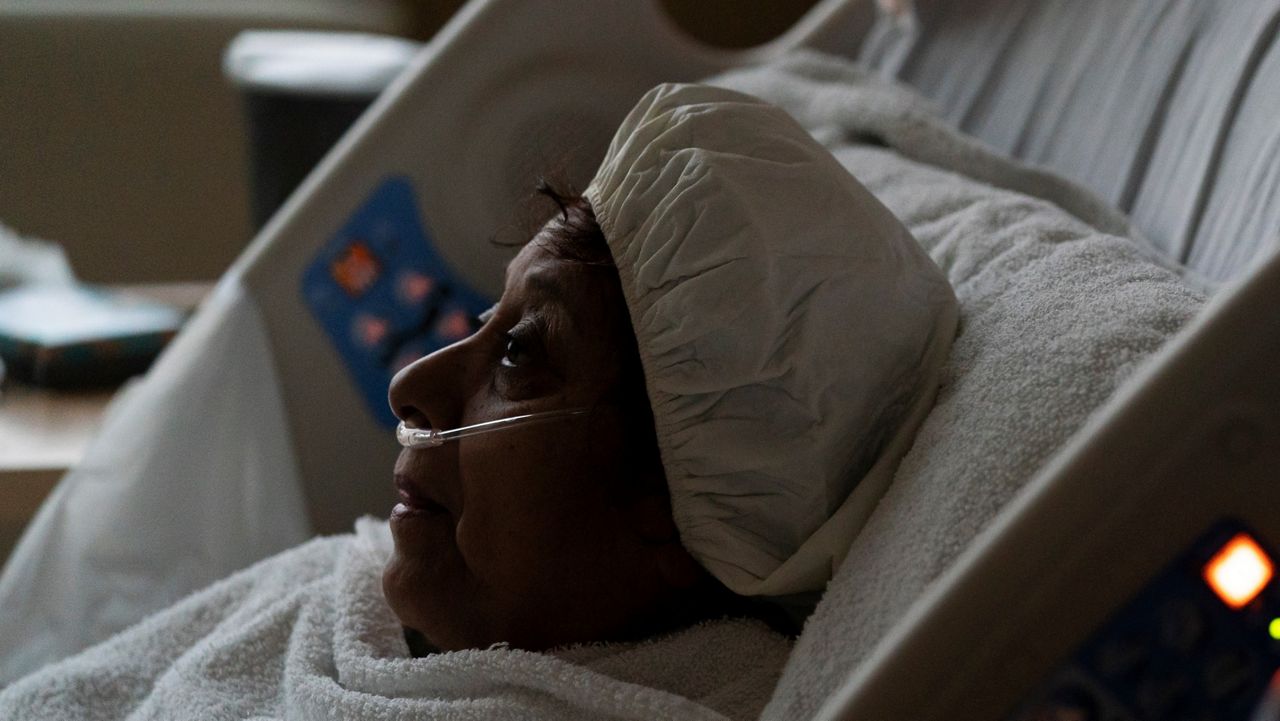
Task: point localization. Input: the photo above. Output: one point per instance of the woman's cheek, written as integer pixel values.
(491, 483)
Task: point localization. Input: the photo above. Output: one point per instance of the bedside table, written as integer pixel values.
(45, 432)
(42, 434)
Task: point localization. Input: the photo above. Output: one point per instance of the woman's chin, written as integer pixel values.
(424, 576)
(404, 584)
(437, 625)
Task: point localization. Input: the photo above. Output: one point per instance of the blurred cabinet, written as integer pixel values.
(119, 136)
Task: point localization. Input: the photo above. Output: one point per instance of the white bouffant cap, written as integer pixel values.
(791, 330)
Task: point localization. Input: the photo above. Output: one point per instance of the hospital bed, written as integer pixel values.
(264, 422)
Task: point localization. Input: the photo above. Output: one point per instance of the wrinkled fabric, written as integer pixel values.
(790, 328)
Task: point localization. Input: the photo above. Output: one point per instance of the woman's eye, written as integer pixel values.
(523, 368)
(515, 354)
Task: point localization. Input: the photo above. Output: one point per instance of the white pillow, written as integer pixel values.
(1054, 316)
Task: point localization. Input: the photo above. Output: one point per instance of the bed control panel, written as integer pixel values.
(384, 296)
(1200, 642)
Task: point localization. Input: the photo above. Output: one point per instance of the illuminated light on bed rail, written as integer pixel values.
(1239, 571)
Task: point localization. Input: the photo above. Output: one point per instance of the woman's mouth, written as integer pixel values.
(413, 501)
(418, 518)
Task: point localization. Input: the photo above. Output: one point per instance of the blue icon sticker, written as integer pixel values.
(384, 296)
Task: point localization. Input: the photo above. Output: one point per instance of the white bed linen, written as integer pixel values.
(308, 635)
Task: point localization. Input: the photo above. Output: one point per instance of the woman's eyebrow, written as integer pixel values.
(547, 292)
(544, 285)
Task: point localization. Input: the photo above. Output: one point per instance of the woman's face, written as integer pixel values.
(520, 536)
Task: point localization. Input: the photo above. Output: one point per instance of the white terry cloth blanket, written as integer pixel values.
(1056, 312)
(307, 635)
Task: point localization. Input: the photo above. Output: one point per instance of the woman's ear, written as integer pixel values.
(649, 518)
(679, 569)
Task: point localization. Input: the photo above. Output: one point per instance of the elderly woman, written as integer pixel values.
(751, 340)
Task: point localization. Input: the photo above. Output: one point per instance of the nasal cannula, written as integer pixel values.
(410, 437)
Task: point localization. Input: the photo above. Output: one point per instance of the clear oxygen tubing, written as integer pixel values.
(410, 437)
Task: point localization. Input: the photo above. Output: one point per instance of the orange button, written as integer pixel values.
(1239, 571)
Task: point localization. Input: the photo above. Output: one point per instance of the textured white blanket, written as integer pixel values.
(307, 635)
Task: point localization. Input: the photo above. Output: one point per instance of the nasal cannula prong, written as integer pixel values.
(430, 437)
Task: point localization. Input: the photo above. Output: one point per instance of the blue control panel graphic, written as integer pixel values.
(384, 296)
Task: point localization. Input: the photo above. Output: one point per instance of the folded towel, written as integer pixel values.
(307, 634)
(1056, 311)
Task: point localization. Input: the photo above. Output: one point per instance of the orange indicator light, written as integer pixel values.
(1239, 571)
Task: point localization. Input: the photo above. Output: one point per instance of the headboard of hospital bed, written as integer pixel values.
(1166, 108)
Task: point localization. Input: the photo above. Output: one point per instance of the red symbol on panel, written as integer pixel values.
(355, 269)
(455, 325)
(414, 287)
(370, 330)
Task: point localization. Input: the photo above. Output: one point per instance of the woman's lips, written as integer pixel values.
(413, 500)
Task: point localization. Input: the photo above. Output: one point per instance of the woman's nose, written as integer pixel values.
(427, 393)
